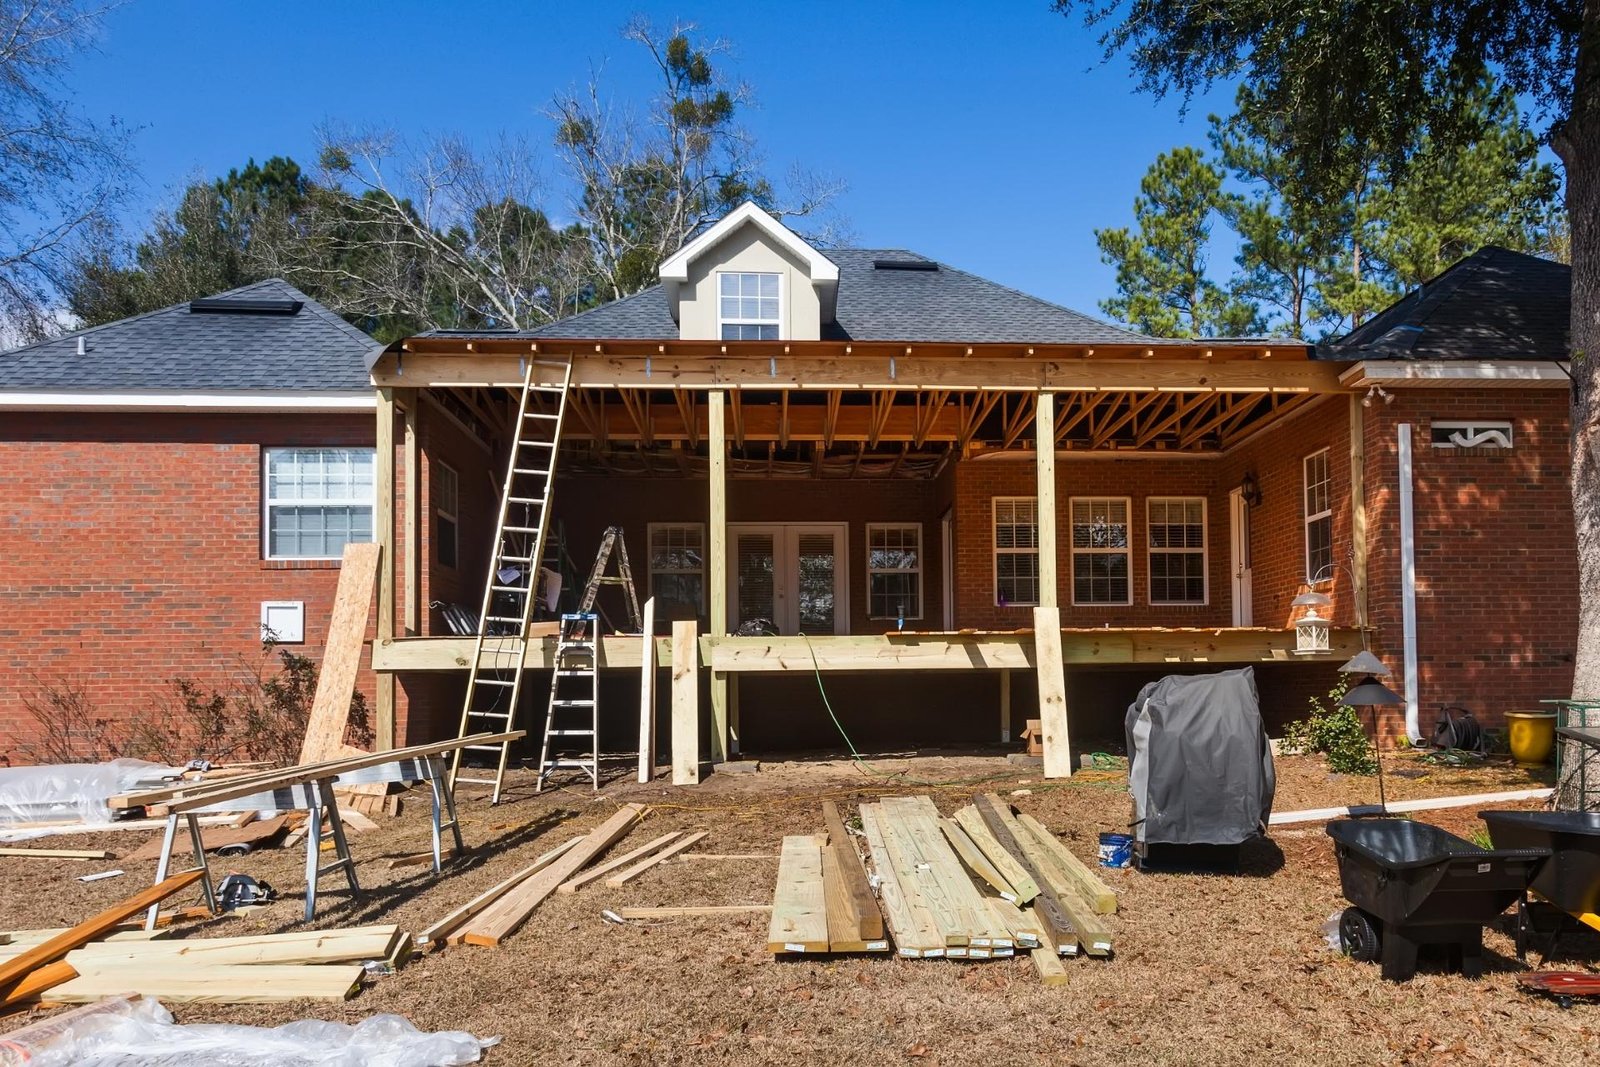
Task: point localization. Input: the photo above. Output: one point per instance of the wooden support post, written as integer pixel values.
(1005, 706)
(717, 558)
(1044, 456)
(647, 694)
(733, 714)
(1358, 507)
(1052, 691)
(685, 704)
(413, 547)
(384, 733)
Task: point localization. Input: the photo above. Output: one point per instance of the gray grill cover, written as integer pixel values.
(1199, 765)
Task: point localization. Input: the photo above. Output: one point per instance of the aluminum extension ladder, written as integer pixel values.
(574, 691)
(500, 654)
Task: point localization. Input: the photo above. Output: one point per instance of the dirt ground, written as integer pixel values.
(1209, 969)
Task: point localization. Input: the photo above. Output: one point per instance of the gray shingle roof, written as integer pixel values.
(1495, 304)
(885, 305)
(179, 350)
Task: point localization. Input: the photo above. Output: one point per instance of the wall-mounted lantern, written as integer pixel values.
(1249, 490)
(1311, 630)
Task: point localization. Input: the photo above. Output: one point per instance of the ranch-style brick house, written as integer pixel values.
(858, 469)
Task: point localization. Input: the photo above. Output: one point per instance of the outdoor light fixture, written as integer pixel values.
(1370, 693)
(1311, 630)
(1249, 490)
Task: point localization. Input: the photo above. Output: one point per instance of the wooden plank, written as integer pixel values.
(650, 861)
(309, 946)
(717, 562)
(38, 981)
(975, 860)
(497, 922)
(341, 655)
(647, 695)
(862, 907)
(92, 928)
(1024, 928)
(1016, 875)
(383, 534)
(692, 910)
(411, 618)
(1015, 840)
(1476, 800)
(578, 881)
(1052, 692)
(1358, 506)
(450, 922)
(799, 907)
(245, 984)
(918, 866)
(215, 837)
(913, 930)
(413, 859)
(1047, 957)
(1044, 460)
(1093, 934)
(58, 853)
(685, 704)
(1084, 881)
(727, 856)
(920, 818)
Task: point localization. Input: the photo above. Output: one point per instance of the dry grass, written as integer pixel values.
(1209, 970)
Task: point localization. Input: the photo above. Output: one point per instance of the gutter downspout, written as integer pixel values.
(1408, 585)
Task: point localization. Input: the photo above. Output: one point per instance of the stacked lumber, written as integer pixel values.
(824, 900)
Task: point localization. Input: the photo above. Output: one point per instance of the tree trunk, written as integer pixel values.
(1578, 144)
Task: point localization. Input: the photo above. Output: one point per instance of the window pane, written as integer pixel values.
(729, 285)
(730, 307)
(893, 596)
(769, 286)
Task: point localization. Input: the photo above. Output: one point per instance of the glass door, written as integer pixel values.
(791, 575)
(755, 577)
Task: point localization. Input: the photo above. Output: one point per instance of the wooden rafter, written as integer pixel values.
(685, 401)
(1185, 407)
(783, 420)
(578, 400)
(882, 408)
(973, 414)
(636, 402)
(830, 418)
(736, 402)
(1231, 435)
(927, 413)
(1069, 422)
(1018, 419)
(1108, 429)
(1230, 407)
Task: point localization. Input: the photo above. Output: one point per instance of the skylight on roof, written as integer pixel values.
(214, 305)
(904, 264)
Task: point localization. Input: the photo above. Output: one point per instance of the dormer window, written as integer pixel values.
(748, 306)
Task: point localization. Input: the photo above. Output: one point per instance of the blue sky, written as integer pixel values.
(991, 137)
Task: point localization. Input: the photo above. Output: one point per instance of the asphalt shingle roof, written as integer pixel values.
(885, 305)
(179, 350)
(1495, 304)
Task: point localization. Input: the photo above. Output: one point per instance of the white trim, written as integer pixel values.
(1306, 515)
(1555, 373)
(785, 578)
(1242, 581)
(995, 550)
(650, 557)
(1126, 551)
(1205, 554)
(777, 321)
(1408, 584)
(267, 503)
(676, 266)
(158, 401)
(947, 537)
(1473, 433)
(921, 611)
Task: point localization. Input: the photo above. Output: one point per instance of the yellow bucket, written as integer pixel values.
(1532, 736)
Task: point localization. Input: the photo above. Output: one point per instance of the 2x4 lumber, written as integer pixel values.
(1044, 459)
(1025, 932)
(685, 704)
(1047, 904)
(647, 695)
(311, 946)
(918, 861)
(452, 921)
(913, 929)
(92, 928)
(975, 860)
(496, 922)
(648, 862)
(861, 906)
(1016, 875)
(58, 853)
(727, 856)
(1085, 882)
(1047, 957)
(578, 881)
(799, 905)
(38, 981)
(341, 655)
(383, 521)
(220, 984)
(923, 820)
(691, 911)
(1052, 673)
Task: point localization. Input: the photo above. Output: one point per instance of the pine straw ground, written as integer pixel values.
(1208, 970)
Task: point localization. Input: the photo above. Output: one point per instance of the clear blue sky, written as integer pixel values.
(989, 136)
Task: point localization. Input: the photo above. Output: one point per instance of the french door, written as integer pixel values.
(791, 574)
(1239, 557)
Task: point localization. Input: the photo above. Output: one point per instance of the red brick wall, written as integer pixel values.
(130, 554)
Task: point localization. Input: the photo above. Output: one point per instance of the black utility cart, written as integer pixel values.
(1569, 885)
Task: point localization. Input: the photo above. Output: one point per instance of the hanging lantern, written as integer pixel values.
(1311, 631)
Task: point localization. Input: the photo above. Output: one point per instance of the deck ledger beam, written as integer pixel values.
(384, 728)
(717, 558)
(1044, 458)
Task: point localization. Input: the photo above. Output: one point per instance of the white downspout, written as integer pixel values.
(1408, 585)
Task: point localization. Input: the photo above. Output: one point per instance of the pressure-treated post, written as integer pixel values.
(1044, 454)
(1051, 667)
(647, 694)
(717, 560)
(685, 704)
(1358, 508)
(412, 620)
(384, 731)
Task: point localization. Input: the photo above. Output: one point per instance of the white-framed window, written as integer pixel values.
(678, 564)
(315, 501)
(1176, 531)
(1101, 571)
(1318, 515)
(749, 306)
(1016, 551)
(894, 571)
(1476, 433)
(446, 529)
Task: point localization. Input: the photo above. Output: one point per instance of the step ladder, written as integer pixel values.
(500, 653)
(612, 540)
(574, 711)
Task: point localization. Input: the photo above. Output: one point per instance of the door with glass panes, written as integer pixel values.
(791, 574)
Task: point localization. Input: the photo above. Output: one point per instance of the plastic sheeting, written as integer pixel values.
(71, 792)
(142, 1033)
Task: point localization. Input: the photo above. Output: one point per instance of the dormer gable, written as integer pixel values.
(749, 277)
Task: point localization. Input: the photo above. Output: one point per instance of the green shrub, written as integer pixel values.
(1334, 731)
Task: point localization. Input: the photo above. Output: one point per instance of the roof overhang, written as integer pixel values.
(1459, 374)
(221, 401)
(824, 273)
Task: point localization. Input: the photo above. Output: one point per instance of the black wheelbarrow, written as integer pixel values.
(1415, 885)
(1569, 885)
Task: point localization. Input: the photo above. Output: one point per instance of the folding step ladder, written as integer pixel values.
(574, 710)
(494, 675)
(624, 577)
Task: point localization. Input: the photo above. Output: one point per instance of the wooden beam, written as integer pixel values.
(1052, 691)
(647, 694)
(685, 704)
(385, 728)
(830, 420)
(594, 874)
(341, 654)
(1086, 404)
(799, 905)
(717, 566)
(453, 921)
(413, 547)
(1044, 459)
(1137, 403)
(1182, 410)
(692, 910)
(1017, 417)
(858, 901)
(1358, 507)
(683, 843)
(1005, 707)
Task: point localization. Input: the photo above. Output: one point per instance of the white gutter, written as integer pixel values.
(1408, 585)
(175, 401)
(1502, 373)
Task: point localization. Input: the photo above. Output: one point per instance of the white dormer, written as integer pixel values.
(749, 277)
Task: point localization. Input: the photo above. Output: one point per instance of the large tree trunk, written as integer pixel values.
(1578, 144)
